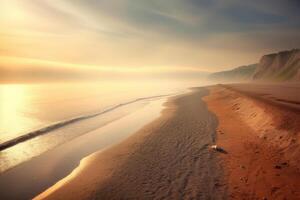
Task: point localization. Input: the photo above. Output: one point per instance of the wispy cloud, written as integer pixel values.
(208, 34)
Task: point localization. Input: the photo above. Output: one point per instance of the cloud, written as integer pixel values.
(208, 34)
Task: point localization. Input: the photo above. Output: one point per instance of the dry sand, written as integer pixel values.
(285, 95)
(262, 141)
(170, 158)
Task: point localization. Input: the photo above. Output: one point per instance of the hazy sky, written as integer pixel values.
(207, 35)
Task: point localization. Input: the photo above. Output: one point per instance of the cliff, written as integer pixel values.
(243, 73)
(282, 66)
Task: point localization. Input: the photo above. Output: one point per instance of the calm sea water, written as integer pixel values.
(25, 108)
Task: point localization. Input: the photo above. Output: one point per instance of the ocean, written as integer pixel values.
(37, 117)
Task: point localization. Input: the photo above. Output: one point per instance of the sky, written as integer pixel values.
(72, 37)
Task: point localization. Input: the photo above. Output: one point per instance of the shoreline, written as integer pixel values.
(39, 173)
(51, 136)
(48, 128)
(164, 158)
(169, 157)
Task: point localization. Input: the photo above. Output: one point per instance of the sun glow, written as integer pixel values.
(20, 61)
(13, 98)
(18, 13)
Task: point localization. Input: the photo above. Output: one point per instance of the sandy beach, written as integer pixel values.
(171, 157)
(262, 140)
(168, 158)
(150, 100)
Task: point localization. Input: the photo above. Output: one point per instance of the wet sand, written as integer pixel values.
(262, 139)
(169, 158)
(30, 178)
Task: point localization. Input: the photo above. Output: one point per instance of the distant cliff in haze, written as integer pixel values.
(282, 66)
(243, 73)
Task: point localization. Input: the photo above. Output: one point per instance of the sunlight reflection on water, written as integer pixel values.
(28, 107)
(14, 104)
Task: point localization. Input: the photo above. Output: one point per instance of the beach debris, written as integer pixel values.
(217, 148)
